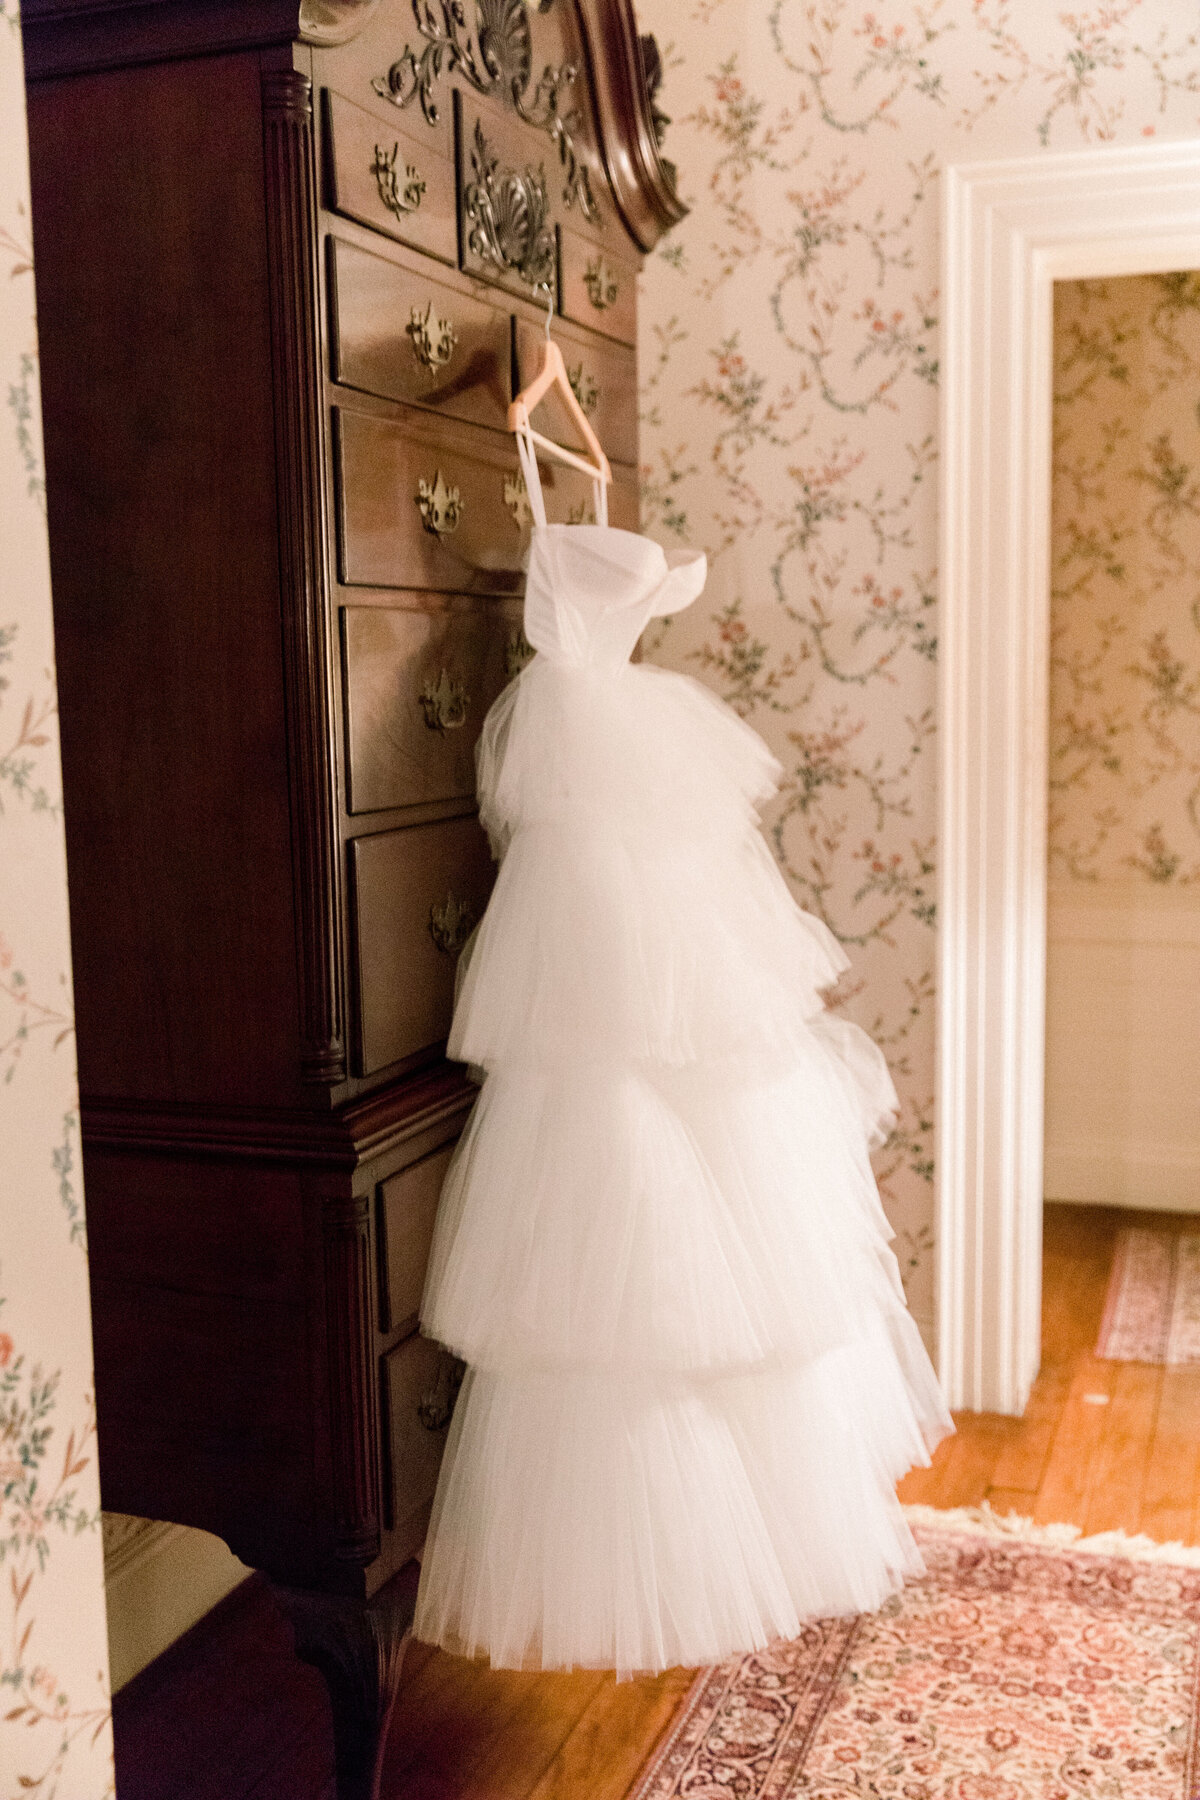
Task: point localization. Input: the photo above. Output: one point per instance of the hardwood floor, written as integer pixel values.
(1101, 1444)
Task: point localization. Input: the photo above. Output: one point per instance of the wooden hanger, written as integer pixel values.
(553, 373)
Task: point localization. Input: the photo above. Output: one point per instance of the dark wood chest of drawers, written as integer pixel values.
(285, 256)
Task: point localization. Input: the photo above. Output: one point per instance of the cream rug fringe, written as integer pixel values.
(983, 1520)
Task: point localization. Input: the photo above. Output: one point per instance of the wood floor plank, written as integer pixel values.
(1119, 1474)
(1172, 1487)
(962, 1468)
(467, 1732)
(1062, 1495)
(613, 1738)
(1022, 1459)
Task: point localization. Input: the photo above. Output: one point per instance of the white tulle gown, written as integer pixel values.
(692, 1381)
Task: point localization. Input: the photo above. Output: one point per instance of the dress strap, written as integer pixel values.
(600, 489)
(529, 469)
(527, 452)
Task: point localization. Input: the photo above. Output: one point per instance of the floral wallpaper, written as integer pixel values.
(1125, 597)
(789, 368)
(55, 1731)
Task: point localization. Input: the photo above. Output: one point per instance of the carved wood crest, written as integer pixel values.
(495, 57)
(508, 216)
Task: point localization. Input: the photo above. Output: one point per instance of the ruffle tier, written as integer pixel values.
(637, 1524)
(672, 949)
(670, 1220)
(637, 745)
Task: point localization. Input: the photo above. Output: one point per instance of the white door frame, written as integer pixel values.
(1010, 229)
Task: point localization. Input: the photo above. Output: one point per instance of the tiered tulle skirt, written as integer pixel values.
(692, 1378)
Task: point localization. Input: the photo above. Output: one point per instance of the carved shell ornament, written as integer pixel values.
(495, 57)
(509, 217)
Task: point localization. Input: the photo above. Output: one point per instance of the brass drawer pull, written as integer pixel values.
(584, 387)
(517, 652)
(435, 1408)
(433, 339)
(451, 923)
(444, 703)
(400, 193)
(441, 507)
(601, 284)
(516, 498)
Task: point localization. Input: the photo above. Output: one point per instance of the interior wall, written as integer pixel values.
(1123, 963)
(789, 368)
(55, 1725)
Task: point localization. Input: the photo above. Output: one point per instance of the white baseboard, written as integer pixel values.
(159, 1581)
(1154, 1177)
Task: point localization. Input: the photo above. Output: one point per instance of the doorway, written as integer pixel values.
(1010, 230)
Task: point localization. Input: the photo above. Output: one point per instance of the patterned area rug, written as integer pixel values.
(1027, 1664)
(1152, 1310)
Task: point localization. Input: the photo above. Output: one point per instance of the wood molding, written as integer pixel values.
(67, 37)
(643, 189)
(289, 154)
(352, 1395)
(1010, 229)
(328, 22)
(338, 1140)
(64, 37)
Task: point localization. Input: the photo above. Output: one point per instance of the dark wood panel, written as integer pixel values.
(350, 1325)
(396, 331)
(300, 458)
(418, 683)
(599, 288)
(407, 1209)
(603, 377)
(391, 177)
(160, 457)
(416, 895)
(202, 1345)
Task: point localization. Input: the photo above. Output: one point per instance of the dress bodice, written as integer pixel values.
(592, 589)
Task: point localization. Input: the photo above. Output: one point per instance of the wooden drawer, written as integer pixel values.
(417, 686)
(395, 331)
(420, 1386)
(397, 179)
(598, 288)
(604, 379)
(408, 1205)
(426, 503)
(416, 894)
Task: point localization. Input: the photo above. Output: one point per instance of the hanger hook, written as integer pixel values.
(549, 287)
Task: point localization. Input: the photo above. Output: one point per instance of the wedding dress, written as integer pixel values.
(692, 1380)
